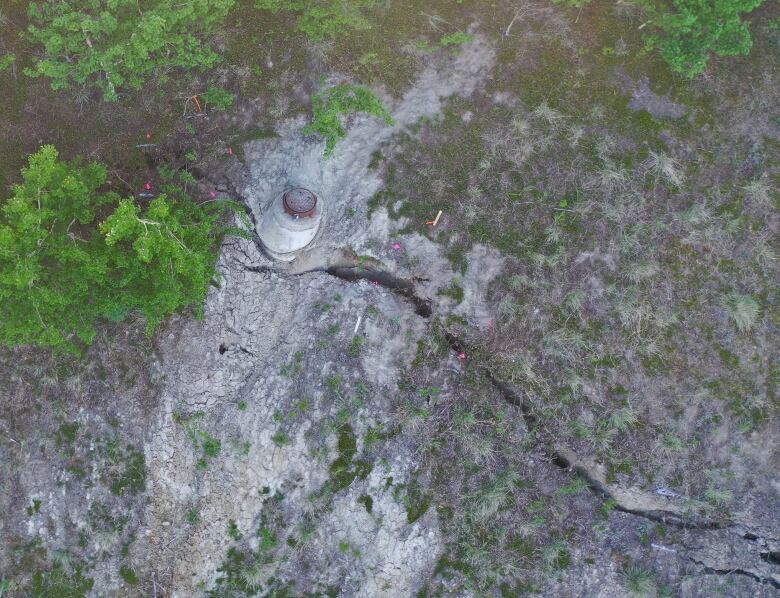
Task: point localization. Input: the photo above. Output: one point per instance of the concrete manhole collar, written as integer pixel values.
(290, 222)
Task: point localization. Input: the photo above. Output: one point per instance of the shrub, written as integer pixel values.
(130, 576)
(455, 39)
(640, 582)
(218, 98)
(573, 3)
(743, 310)
(332, 104)
(7, 61)
(697, 27)
(108, 45)
(320, 19)
(62, 270)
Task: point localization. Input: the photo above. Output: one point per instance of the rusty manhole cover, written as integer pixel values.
(300, 202)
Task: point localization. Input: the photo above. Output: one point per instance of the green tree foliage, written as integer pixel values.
(172, 257)
(62, 269)
(320, 19)
(6, 61)
(332, 104)
(691, 29)
(111, 43)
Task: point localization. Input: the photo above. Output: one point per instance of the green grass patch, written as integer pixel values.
(333, 104)
(129, 472)
(128, 575)
(346, 468)
(367, 502)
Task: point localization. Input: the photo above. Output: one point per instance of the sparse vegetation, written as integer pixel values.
(128, 473)
(540, 188)
(355, 346)
(233, 532)
(52, 574)
(743, 311)
(201, 440)
(573, 3)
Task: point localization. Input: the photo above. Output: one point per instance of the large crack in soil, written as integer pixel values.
(344, 262)
(759, 578)
(628, 500)
(346, 265)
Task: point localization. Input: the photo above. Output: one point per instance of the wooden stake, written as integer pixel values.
(435, 221)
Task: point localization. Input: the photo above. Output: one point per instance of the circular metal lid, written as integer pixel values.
(300, 202)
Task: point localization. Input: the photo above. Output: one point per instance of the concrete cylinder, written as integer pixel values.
(290, 222)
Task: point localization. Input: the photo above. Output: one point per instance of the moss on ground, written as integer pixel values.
(345, 468)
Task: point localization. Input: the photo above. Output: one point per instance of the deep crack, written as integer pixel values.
(569, 461)
(400, 286)
(406, 289)
(346, 265)
(737, 571)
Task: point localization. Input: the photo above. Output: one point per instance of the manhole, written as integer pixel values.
(300, 203)
(289, 222)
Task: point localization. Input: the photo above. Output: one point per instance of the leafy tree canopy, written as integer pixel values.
(691, 29)
(62, 269)
(320, 19)
(111, 43)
